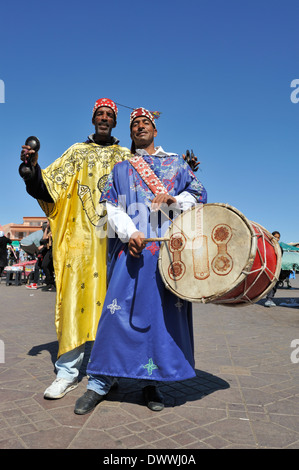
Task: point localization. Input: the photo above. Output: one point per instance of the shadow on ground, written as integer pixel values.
(52, 349)
(174, 393)
(130, 390)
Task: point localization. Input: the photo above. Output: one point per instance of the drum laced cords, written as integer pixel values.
(263, 269)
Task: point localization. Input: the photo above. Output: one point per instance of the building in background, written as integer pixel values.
(17, 232)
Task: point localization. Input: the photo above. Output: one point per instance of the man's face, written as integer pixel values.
(104, 122)
(142, 132)
(277, 236)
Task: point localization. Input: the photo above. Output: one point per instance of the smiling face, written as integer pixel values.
(104, 121)
(143, 132)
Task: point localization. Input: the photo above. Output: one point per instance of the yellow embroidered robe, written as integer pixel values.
(75, 182)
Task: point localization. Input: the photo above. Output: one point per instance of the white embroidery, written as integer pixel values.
(178, 305)
(113, 307)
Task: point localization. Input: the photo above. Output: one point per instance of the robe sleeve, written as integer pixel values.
(36, 186)
(113, 192)
(120, 222)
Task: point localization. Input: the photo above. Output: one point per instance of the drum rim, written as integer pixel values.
(241, 277)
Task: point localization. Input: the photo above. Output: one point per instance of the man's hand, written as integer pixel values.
(28, 154)
(136, 244)
(162, 199)
(191, 160)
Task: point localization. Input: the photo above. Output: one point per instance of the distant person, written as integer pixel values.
(17, 253)
(270, 296)
(4, 241)
(47, 262)
(12, 257)
(292, 275)
(41, 252)
(22, 256)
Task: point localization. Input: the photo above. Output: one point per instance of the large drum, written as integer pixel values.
(214, 254)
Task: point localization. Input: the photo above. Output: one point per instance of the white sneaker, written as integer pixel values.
(31, 286)
(59, 388)
(270, 303)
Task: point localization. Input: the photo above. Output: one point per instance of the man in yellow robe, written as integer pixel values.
(69, 191)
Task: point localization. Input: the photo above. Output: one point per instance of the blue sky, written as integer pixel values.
(220, 73)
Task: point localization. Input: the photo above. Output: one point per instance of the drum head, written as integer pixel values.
(211, 246)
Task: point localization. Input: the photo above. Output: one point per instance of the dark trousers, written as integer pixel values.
(48, 268)
(37, 268)
(272, 292)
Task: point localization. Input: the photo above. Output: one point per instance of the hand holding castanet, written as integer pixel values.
(29, 156)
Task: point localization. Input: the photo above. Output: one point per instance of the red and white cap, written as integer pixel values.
(142, 112)
(107, 103)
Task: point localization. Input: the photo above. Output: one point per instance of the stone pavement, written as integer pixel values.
(245, 394)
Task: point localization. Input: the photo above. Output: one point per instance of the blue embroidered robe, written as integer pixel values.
(145, 331)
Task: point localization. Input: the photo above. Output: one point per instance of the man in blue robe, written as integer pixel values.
(145, 331)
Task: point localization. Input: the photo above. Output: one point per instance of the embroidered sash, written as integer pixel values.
(148, 175)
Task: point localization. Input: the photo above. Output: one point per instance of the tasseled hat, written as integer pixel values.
(105, 102)
(142, 112)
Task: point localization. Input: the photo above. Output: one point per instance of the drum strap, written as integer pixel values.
(148, 175)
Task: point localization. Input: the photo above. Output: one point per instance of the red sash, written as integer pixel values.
(148, 175)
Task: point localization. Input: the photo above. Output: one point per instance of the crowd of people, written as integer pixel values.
(10, 254)
(16, 257)
(44, 268)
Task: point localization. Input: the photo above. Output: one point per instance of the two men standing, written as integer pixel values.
(151, 340)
